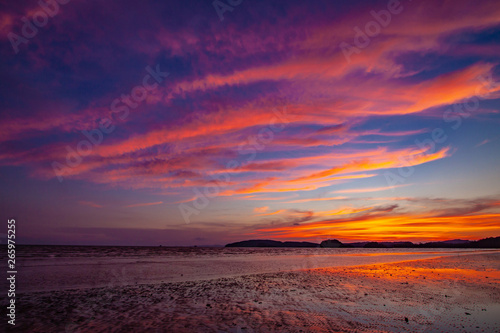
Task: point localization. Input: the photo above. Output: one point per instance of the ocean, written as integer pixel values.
(47, 268)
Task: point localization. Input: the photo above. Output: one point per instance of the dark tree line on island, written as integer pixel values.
(486, 243)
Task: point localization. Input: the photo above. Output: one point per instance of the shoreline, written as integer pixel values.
(433, 294)
(51, 274)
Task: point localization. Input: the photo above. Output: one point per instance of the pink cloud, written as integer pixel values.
(144, 204)
(90, 204)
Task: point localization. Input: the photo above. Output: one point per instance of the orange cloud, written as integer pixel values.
(273, 213)
(261, 209)
(390, 160)
(145, 204)
(388, 226)
(315, 199)
(366, 190)
(343, 211)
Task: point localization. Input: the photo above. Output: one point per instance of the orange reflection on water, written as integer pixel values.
(401, 273)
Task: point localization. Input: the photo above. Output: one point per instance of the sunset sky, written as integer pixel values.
(200, 123)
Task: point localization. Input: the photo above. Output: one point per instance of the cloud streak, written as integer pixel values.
(342, 125)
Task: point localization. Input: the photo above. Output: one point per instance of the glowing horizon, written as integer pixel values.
(356, 121)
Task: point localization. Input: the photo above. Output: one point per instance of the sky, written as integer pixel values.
(203, 123)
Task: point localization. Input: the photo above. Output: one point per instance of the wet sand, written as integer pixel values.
(66, 272)
(446, 294)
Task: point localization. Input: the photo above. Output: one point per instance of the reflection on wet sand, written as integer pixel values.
(451, 294)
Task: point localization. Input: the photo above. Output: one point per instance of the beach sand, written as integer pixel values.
(446, 294)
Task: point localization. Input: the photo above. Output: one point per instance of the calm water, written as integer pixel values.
(47, 251)
(43, 268)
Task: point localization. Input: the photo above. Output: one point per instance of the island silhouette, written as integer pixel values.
(486, 243)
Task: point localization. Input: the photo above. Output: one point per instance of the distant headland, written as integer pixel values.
(486, 243)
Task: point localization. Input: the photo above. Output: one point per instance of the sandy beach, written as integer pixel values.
(459, 293)
(83, 268)
(250, 166)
